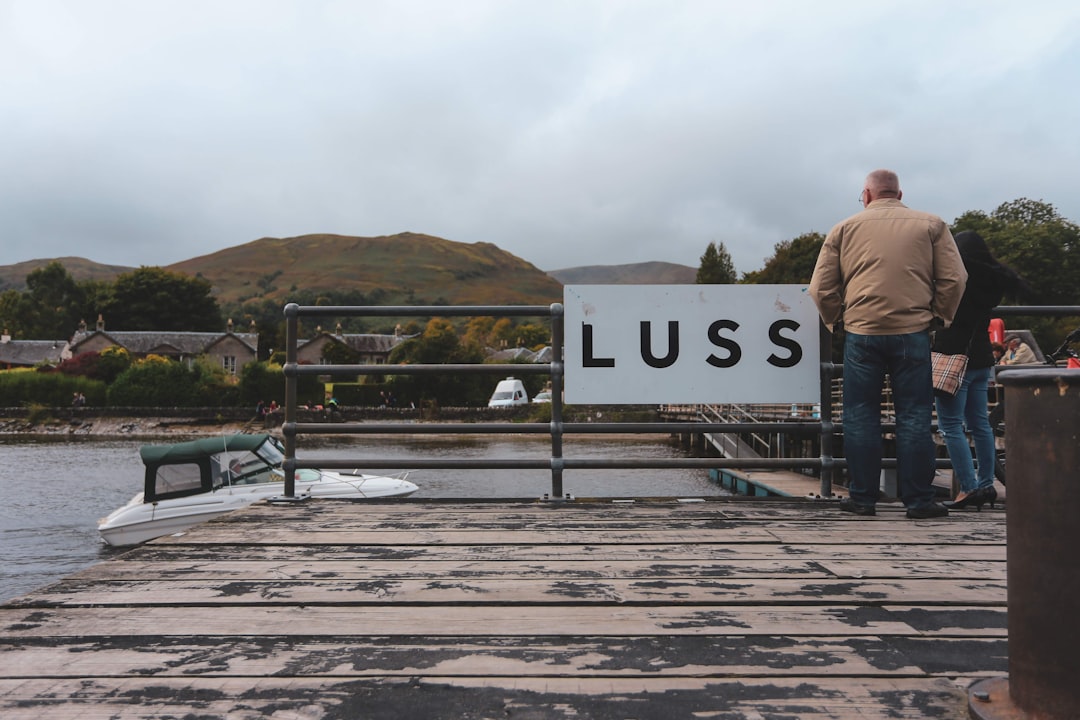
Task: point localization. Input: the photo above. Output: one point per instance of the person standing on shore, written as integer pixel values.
(886, 274)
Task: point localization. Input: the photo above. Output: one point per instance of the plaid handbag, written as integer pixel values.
(948, 371)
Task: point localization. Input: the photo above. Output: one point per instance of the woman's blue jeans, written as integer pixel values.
(906, 360)
(967, 408)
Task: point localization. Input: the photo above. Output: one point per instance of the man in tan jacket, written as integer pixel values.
(887, 273)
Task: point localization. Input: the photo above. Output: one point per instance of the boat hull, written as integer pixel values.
(138, 521)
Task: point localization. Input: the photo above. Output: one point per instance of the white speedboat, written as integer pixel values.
(189, 482)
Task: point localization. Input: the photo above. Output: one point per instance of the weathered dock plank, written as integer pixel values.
(670, 589)
(719, 609)
(617, 620)
(398, 656)
(451, 698)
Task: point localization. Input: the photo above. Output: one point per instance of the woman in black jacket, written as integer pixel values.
(988, 281)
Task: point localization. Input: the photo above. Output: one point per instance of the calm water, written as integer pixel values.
(55, 490)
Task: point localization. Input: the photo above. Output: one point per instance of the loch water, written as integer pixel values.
(54, 490)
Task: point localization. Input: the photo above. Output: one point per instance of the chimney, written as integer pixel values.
(228, 326)
(6, 337)
(100, 323)
(82, 326)
(337, 331)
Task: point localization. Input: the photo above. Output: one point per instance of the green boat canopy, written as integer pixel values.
(195, 450)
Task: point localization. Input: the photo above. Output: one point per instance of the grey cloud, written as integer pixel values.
(567, 133)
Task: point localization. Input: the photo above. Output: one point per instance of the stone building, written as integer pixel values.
(231, 349)
(372, 349)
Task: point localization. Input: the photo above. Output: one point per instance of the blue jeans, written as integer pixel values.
(906, 359)
(968, 407)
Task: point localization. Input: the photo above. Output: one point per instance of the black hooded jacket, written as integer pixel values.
(988, 281)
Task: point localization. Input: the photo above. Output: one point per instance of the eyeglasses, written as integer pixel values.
(861, 193)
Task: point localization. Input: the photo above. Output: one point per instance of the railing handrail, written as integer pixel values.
(826, 426)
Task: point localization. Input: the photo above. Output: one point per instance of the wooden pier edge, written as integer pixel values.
(653, 609)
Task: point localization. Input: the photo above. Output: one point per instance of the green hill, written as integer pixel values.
(13, 277)
(646, 273)
(408, 267)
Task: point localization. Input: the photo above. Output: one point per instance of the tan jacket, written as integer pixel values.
(888, 270)
(1023, 355)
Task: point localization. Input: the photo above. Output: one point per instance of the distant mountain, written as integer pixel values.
(407, 268)
(13, 277)
(647, 273)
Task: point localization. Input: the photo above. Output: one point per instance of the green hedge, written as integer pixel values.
(20, 388)
(266, 381)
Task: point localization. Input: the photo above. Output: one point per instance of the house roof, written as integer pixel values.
(147, 342)
(521, 354)
(28, 353)
(360, 342)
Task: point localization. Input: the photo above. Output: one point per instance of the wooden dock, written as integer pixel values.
(734, 608)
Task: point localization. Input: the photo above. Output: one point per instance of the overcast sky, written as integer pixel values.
(586, 132)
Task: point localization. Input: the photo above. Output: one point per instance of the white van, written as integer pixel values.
(508, 392)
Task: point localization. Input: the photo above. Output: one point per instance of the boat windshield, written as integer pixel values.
(272, 452)
(242, 468)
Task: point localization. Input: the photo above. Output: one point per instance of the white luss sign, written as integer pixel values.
(656, 344)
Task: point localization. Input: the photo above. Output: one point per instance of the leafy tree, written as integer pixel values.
(1031, 237)
(438, 344)
(261, 381)
(478, 332)
(337, 353)
(50, 308)
(716, 266)
(502, 334)
(97, 298)
(11, 313)
(105, 365)
(792, 262)
(486, 332)
(533, 335)
(152, 298)
(155, 381)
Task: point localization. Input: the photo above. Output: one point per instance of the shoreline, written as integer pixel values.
(166, 422)
(115, 427)
(105, 428)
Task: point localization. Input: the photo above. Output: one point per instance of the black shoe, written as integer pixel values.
(925, 512)
(849, 505)
(977, 497)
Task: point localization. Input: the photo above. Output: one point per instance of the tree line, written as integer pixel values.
(1028, 235)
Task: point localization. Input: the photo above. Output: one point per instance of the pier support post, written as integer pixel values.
(1042, 421)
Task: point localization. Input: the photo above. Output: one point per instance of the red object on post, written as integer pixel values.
(997, 330)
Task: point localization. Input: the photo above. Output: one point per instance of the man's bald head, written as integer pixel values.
(881, 184)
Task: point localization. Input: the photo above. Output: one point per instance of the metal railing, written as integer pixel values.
(826, 427)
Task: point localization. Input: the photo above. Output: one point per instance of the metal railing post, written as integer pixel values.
(557, 330)
(292, 324)
(828, 462)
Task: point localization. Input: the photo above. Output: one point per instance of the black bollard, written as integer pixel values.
(1042, 430)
